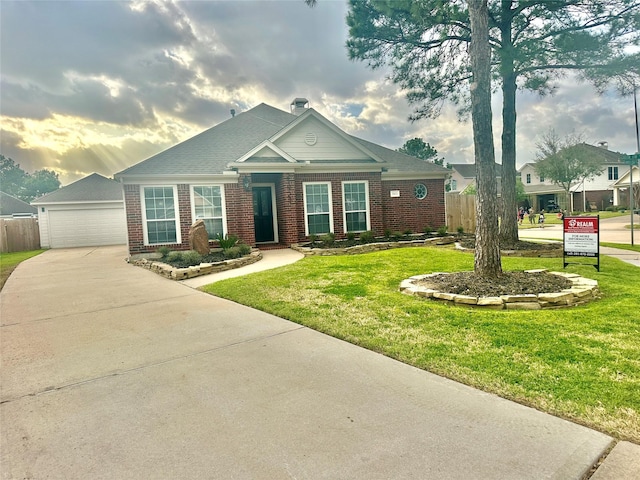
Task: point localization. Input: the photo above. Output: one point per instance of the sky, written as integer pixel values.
(98, 86)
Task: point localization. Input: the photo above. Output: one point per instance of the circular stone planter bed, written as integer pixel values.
(175, 273)
(580, 291)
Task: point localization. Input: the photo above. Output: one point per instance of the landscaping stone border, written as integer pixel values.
(582, 291)
(373, 247)
(175, 273)
(555, 253)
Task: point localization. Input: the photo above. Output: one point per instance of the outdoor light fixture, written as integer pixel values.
(246, 183)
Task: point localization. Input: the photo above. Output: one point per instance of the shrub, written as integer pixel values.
(351, 235)
(174, 257)
(227, 241)
(407, 232)
(387, 233)
(328, 239)
(442, 231)
(367, 237)
(396, 236)
(191, 257)
(164, 251)
(428, 230)
(460, 230)
(232, 252)
(244, 249)
(313, 238)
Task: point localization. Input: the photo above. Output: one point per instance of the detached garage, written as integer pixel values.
(87, 213)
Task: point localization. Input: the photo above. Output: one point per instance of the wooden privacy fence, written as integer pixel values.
(19, 234)
(461, 212)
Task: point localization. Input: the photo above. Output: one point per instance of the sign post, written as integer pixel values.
(581, 238)
(632, 160)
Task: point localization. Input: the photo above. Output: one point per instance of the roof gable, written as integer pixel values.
(94, 188)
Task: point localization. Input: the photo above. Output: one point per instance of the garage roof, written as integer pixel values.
(94, 188)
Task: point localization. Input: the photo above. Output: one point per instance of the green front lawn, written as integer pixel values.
(9, 261)
(581, 363)
(553, 219)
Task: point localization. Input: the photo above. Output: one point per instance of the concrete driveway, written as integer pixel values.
(112, 372)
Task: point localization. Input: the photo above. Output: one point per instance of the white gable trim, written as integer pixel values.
(312, 113)
(266, 144)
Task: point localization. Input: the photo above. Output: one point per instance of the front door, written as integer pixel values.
(263, 214)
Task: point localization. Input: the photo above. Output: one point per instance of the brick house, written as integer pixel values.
(274, 178)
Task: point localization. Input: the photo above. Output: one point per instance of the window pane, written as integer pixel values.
(162, 232)
(207, 202)
(356, 222)
(318, 224)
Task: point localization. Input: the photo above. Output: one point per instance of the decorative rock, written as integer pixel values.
(556, 298)
(199, 238)
(489, 301)
(518, 298)
(466, 299)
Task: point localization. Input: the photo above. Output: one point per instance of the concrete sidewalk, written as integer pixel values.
(112, 372)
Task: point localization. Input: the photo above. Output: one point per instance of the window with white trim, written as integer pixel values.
(355, 202)
(528, 178)
(317, 208)
(208, 204)
(541, 179)
(613, 173)
(160, 215)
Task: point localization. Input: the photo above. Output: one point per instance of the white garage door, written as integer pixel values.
(87, 228)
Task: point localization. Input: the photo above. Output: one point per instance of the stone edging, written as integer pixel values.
(582, 291)
(372, 247)
(175, 273)
(555, 253)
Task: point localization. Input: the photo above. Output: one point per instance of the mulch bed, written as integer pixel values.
(213, 257)
(509, 283)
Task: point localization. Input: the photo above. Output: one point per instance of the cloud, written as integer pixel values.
(99, 86)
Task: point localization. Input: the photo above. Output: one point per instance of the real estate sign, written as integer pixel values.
(581, 238)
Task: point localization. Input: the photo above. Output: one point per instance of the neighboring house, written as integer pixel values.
(12, 207)
(464, 174)
(621, 189)
(596, 193)
(276, 178)
(86, 213)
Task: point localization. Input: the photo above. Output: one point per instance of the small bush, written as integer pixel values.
(407, 232)
(328, 239)
(460, 230)
(442, 231)
(227, 241)
(351, 236)
(232, 252)
(387, 233)
(428, 230)
(244, 249)
(174, 257)
(396, 236)
(164, 251)
(313, 238)
(367, 237)
(192, 257)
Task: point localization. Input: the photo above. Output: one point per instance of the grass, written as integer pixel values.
(9, 261)
(552, 218)
(622, 246)
(580, 363)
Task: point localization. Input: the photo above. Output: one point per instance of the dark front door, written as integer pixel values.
(263, 214)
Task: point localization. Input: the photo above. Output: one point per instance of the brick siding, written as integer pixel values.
(406, 212)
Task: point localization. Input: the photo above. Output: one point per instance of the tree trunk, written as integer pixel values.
(487, 252)
(509, 225)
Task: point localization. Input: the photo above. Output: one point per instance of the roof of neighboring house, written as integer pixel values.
(603, 154)
(11, 205)
(212, 151)
(94, 188)
(625, 179)
(468, 170)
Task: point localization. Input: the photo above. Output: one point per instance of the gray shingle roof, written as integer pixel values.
(468, 170)
(11, 205)
(94, 188)
(210, 152)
